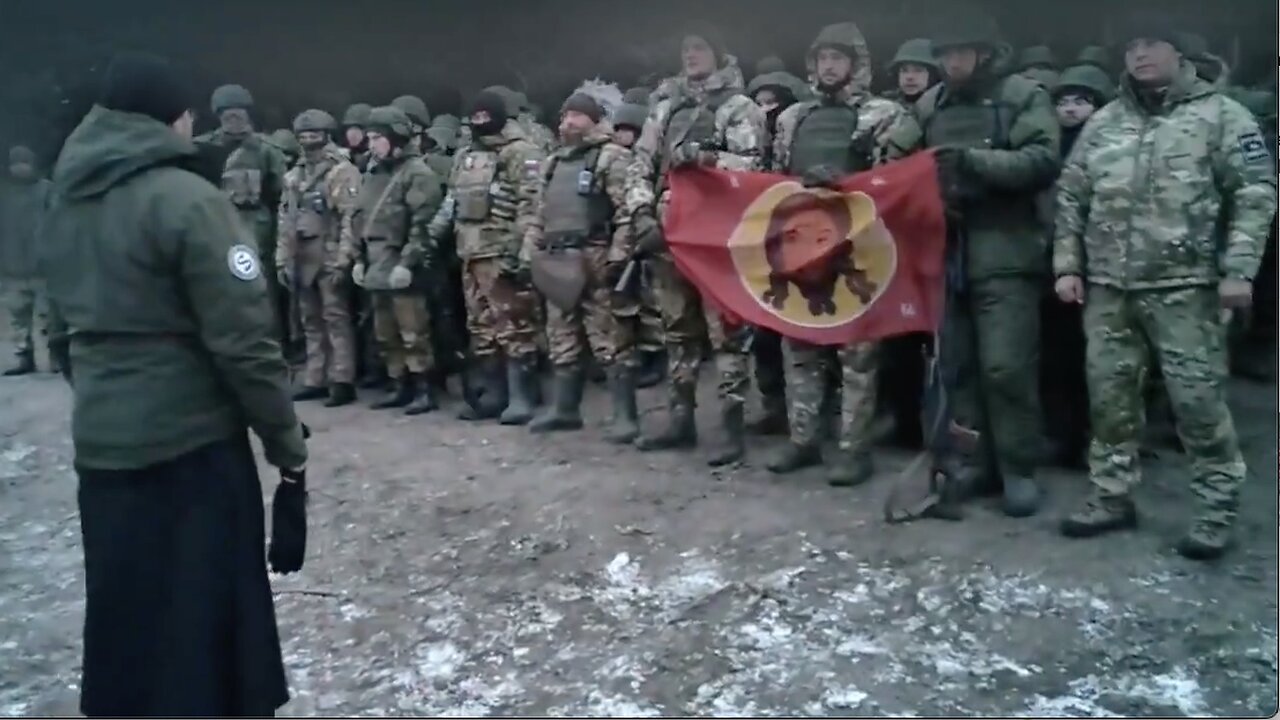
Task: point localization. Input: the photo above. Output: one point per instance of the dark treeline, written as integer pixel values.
(294, 54)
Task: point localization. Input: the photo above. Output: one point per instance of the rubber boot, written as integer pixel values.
(653, 369)
(340, 394)
(773, 418)
(26, 365)
(626, 418)
(733, 418)
(850, 469)
(401, 394)
(1100, 515)
(795, 457)
(681, 431)
(521, 376)
(489, 386)
(424, 398)
(310, 393)
(1021, 496)
(565, 411)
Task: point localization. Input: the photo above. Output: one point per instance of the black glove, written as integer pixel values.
(648, 233)
(822, 176)
(957, 186)
(289, 522)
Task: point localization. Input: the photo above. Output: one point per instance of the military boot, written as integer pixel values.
(773, 418)
(795, 457)
(402, 393)
(1021, 496)
(653, 369)
(26, 365)
(374, 378)
(488, 384)
(1206, 540)
(424, 398)
(565, 412)
(733, 419)
(310, 393)
(850, 469)
(626, 418)
(681, 431)
(340, 394)
(522, 374)
(1100, 514)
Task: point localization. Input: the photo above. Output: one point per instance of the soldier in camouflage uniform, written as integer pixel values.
(489, 208)
(1136, 242)
(252, 177)
(1038, 63)
(914, 70)
(287, 143)
(843, 131)
(520, 111)
(581, 208)
(419, 117)
(398, 198)
(998, 151)
(444, 286)
(700, 117)
(315, 239)
(22, 201)
(353, 140)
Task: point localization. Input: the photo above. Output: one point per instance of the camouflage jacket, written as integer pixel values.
(1181, 196)
(538, 134)
(610, 177)
(252, 177)
(397, 200)
(740, 135)
(22, 205)
(489, 204)
(316, 206)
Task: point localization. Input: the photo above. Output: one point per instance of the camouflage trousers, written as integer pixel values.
(592, 322)
(807, 376)
(403, 329)
(1181, 331)
(639, 318)
(25, 302)
(501, 316)
(686, 323)
(327, 327)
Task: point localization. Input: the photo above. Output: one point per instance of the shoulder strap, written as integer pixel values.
(386, 192)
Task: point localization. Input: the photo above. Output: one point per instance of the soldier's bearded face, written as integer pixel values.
(626, 137)
(1074, 110)
(379, 145)
(959, 63)
(833, 68)
(913, 79)
(355, 136)
(1152, 62)
(236, 121)
(574, 126)
(698, 57)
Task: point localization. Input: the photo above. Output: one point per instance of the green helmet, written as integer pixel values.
(451, 122)
(413, 106)
(917, 51)
(967, 29)
(770, 64)
(636, 96)
(314, 120)
(1037, 56)
(444, 137)
(515, 101)
(845, 36)
(1095, 55)
(629, 115)
(356, 115)
(286, 141)
(1089, 78)
(391, 120)
(784, 80)
(229, 97)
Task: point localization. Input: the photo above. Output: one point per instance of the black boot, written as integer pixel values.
(340, 394)
(374, 378)
(400, 396)
(626, 419)
(424, 400)
(773, 417)
(653, 369)
(521, 376)
(488, 390)
(311, 393)
(26, 365)
(795, 457)
(565, 412)
(681, 431)
(735, 434)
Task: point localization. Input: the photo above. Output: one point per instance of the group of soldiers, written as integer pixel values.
(405, 249)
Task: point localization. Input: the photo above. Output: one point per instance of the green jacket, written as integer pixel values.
(252, 175)
(21, 205)
(168, 328)
(1175, 196)
(1010, 134)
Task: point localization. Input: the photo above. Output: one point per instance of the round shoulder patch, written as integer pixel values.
(243, 262)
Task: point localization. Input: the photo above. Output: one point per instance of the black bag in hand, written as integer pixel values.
(288, 523)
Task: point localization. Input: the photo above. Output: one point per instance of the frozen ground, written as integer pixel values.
(471, 570)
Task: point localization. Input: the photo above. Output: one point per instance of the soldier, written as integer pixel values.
(821, 141)
(287, 143)
(518, 109)
(702, 118)
(353, 139)
(22, 201)
(581, 217)
(419, 116)
(319, 199)
(252, 177)
(489, 208)
(1098, 57)
(444, 278)
(398, 198)
(440, 143)
(998, 149)
(1038, 63)
(1154, 277)
(914, 70)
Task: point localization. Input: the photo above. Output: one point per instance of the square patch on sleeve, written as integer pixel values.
(1253, 148)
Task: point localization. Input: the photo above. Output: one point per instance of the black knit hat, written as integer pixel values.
(492, 103)
(585, 104)
(144, 84)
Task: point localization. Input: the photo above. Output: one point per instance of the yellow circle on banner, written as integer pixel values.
(813, 257)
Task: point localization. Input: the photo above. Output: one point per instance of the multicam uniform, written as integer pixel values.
(21, 205)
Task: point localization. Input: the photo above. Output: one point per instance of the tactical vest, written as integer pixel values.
(824, 135)
(242, 176)
(691, 121)
(984, 124)
(479, 191)
(574, 206)
(312, 218)
(382, 217)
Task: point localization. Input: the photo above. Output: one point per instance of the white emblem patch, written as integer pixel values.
(243, 262)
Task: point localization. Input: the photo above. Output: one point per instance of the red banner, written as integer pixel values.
(815, 265)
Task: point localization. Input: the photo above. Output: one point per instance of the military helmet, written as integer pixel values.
(413, 106)
(391, 120)
(1193, 46)
(770, 64)
(513, 99)
(21, 155)
(966, 29)
(845, 36)
(229, 97)
(1086, 77)
(1097, 56)
(445, 137)
(785, 80)
(629, 115)
(917, 51)
(450, 122)
(1037, 56)
(314, 120)
(286, 141)
(636, 96)
(356, 115)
